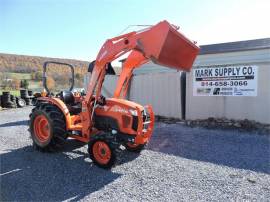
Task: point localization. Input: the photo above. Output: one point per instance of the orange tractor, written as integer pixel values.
(107, 123)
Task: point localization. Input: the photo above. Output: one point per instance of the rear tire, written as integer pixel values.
(47, 127)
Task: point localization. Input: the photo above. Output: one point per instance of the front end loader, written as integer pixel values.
(107, 123)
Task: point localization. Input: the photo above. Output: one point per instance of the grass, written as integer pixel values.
(36, 86)
(33, 85)
(20, 76)
(12, 92)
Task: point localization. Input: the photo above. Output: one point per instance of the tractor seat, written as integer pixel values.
(68, 98)
(75, 109)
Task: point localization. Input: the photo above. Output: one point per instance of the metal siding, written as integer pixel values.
(161, 90)
(108, 87)
(150, 67)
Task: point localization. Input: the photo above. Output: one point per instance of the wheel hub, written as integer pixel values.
(41, 128)
(102, 152)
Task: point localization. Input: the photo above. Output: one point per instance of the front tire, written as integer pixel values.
(102, 153)
(47, 127)
(134, 147)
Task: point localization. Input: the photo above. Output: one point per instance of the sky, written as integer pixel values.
(76, 29)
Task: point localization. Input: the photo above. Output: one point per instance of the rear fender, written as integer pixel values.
(62, 106)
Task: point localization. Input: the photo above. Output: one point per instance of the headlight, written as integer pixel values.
(133, 112)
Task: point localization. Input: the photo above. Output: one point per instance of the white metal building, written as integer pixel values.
(254, 106)
(176, 94)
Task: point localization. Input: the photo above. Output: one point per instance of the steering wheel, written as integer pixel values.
(100, 101)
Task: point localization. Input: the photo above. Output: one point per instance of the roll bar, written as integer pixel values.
(44, 76)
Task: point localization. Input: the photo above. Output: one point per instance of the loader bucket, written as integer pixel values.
(168, 47)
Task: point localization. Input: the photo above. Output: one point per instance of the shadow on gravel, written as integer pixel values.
(29, 175)
(229, 148)
(15, 123)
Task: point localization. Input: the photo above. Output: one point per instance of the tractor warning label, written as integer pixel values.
(225, 81)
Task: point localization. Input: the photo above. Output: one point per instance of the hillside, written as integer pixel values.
(27, 64)
(16, 68)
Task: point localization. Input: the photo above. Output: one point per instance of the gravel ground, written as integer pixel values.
(180, 164)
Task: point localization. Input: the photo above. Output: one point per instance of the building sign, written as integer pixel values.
(225, 81)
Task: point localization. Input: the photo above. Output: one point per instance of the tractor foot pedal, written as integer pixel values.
(77, 133)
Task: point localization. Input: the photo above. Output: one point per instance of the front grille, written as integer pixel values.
(135, 123)
(126, 120)
(144, 116)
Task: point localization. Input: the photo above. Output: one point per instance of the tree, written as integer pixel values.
(50, 82)
(1, 79)
(79, 80)
(38, 75)
(16, 84)
(33, 75)
(78, 76)
(21, 84)
(24, 84)
(6, 82)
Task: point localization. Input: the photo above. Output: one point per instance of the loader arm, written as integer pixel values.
(161, 43)
(134, 60)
